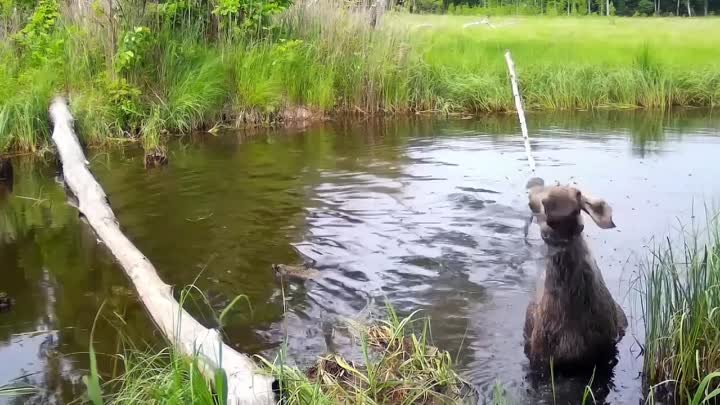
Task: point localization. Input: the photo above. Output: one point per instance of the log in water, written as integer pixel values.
(245, 385)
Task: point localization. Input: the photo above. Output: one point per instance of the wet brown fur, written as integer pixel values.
(574, 319)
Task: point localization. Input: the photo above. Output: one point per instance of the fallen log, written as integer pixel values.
(244, 384)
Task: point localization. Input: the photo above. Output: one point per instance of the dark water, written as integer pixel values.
(426, 214)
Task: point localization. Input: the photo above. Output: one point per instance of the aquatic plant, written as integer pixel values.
(680, 297)
(157, 377)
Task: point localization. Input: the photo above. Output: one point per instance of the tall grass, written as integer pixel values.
(23, 110)
(160, 377)
(680, 289)
(329, 58)
(323, 55)
(164, 377)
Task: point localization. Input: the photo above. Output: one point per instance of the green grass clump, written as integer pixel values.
(680, 288)
(23, 110)
(161, 378)
(398, 367)
(158, 377)
(191, 87)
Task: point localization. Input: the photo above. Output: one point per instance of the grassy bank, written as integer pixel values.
(399, 366)
(681, 309)
(160, 69)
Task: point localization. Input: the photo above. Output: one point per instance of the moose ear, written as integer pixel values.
(536, 195)
(599, 211)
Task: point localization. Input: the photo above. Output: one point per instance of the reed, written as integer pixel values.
(680, 291)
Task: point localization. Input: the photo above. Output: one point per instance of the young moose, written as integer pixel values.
(573, 320)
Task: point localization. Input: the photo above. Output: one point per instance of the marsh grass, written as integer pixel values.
(191, 87)
(157, 376)
(153, 377)
(163, 377)
(23, 112)
(324, 56)
(680, 296)
(399, 366)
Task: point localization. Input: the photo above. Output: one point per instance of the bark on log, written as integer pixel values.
(519, 108)
(245, 386)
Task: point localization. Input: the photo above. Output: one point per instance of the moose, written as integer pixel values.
(573, 320)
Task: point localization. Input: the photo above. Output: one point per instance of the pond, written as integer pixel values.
(426, 214)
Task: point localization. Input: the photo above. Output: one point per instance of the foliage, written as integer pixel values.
(498, 10)
(22, 114)
(560, 7)
(161, 378)
(37, 37)
(431, 6)
(248, 14)
(226, 19)
(127, 104)
(133, 48)
(646, 7)
(192, 83)
(399, 367)
(176, 12)
(92, 381)
(178, 66)
(680, 295)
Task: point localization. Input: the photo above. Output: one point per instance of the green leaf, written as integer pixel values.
(230, 306)
(700, 396)
(221, 386)
(92, 382)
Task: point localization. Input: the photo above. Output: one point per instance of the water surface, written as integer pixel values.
(427, 214)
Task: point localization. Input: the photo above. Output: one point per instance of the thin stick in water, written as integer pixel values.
(519, 108)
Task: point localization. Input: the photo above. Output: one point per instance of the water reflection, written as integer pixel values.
(57, 275)
(6, 178)
(425, 213)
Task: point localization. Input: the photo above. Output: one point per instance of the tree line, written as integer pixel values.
(692, 8)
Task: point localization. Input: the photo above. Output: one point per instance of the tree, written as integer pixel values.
(562, 7)
(646, 7)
